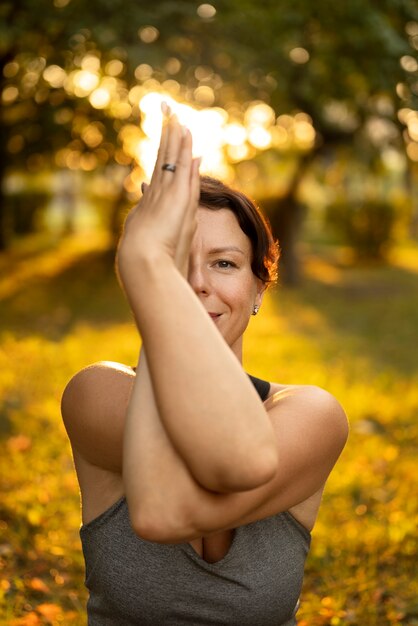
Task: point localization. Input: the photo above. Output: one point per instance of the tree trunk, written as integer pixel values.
(286, 219)
(286, 216)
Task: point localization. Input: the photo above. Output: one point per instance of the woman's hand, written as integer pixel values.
(164, 221)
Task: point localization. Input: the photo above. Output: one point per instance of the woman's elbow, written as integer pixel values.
(251, 472)
(157, 528)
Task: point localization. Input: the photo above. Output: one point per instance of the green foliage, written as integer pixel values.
(62, 309)
(367, 227)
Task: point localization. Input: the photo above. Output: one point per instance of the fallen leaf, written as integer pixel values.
(37, 584)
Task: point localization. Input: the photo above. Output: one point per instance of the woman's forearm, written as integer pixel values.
(158, 485)
(208, 406)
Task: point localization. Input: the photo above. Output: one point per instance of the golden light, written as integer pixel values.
(279, 136)
(100, 98)
(148, 34)
(9, 94)
(151, 84)
(259, 137)
(204, 95)
(404, 114)
(88, 162)
(238, 153)
(409, 64)
(54, 75)
(92, 135)
(10, 69)
(206, 11)
(143, 71)
(135, 95)
(402, 91)
(304, 134)
(285, 120)
(413, 128)
(299, 55)
(259, 114)
(172, 86)
(173, 66)
(235, 134)
(72, 160)
(85, 82)
(114, 67)
(412, 28)
(120, 110)
(203, 72)
(412, 151)
(216, 139)
(90, 63)
(206, 127)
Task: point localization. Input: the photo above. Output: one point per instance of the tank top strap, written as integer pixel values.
(262, 386)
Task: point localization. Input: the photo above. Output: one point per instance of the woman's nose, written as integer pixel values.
(198, 278)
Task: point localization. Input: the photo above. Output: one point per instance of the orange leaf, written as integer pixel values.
(49, 610)
(31, 619)
(19, 443)
(37, 584)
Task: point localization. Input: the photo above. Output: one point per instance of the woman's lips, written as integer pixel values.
(215, 315)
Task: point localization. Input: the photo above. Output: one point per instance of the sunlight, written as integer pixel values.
(100, 98)
(207, 127)
(84, 82)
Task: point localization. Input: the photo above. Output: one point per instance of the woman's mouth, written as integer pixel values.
(215, 316)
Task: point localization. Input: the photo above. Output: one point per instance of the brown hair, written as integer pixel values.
(215, 195)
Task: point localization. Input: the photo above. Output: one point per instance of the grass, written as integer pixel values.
(351, 330)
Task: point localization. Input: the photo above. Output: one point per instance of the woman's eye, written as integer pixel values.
(225, 264)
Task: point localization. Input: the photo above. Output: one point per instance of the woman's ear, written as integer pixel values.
(261, 288)
(144, 187)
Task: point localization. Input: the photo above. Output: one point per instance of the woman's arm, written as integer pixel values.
(208, 406)
(167, 505)
(157, 482)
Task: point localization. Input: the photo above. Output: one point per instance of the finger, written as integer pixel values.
(161, 151)
(173, 146)
(184, 160)
(194, 185)
(194, 173)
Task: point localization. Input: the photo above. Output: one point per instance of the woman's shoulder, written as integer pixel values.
(302, 392)
(95, 371)
(93, 408)
(96, 386)
(310, 403)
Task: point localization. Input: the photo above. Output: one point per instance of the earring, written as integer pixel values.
(256, 309)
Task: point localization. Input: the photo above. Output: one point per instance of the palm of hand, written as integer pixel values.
(165, 218)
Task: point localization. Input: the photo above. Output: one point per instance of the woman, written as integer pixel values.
(200, 484)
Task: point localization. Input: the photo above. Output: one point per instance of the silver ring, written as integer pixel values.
(170, 167)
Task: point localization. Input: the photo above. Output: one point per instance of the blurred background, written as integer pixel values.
(311, 110)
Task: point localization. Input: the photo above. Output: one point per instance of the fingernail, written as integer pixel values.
(184, 130)
(164, 107)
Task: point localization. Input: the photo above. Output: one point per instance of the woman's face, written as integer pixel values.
(220, 273)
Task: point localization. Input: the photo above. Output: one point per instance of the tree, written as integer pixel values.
(350, 67)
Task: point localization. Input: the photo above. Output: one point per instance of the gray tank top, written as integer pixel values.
(134, 582)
